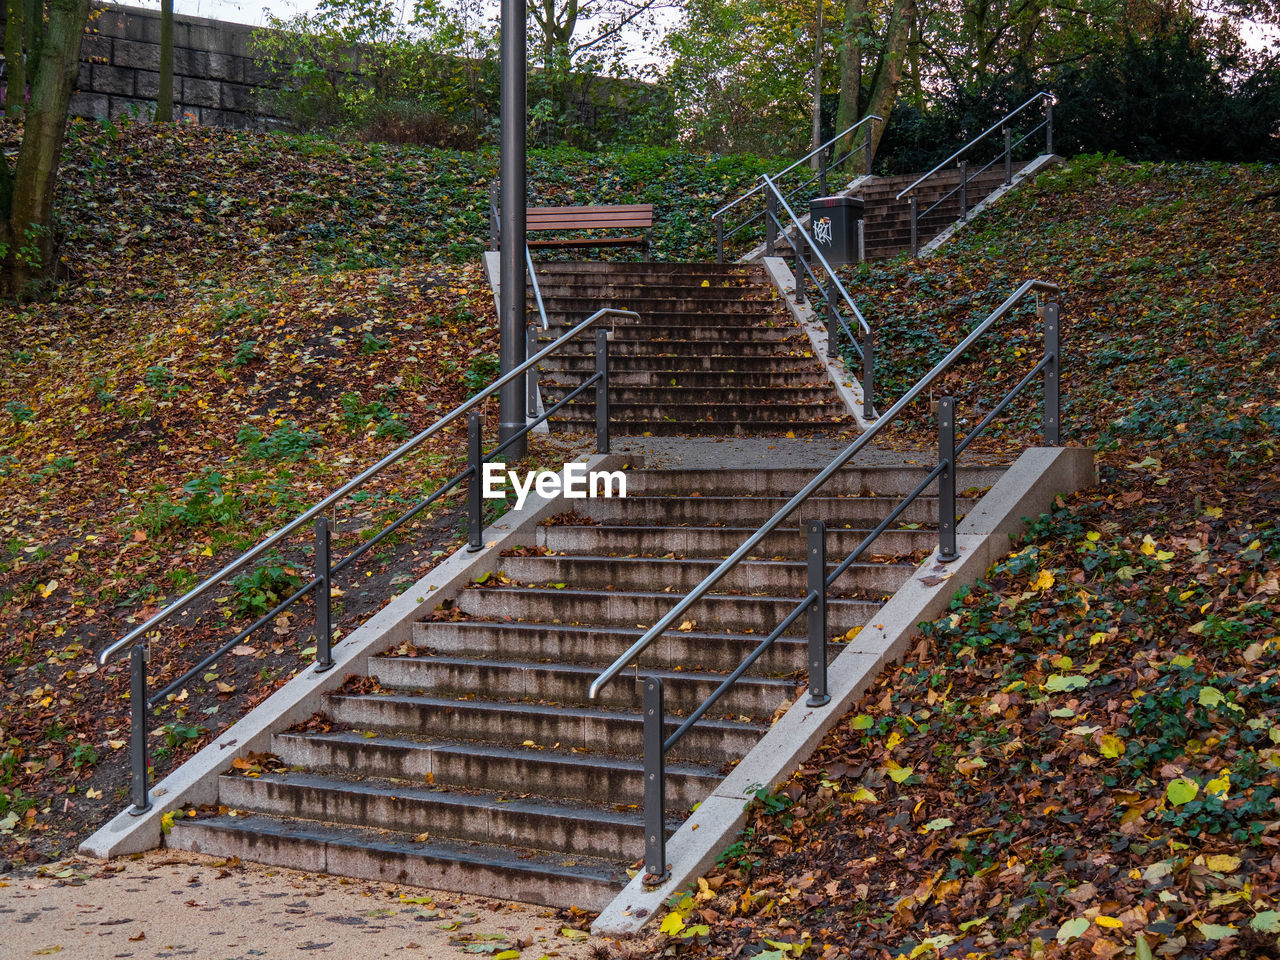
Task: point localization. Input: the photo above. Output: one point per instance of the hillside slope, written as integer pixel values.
(1083, 757)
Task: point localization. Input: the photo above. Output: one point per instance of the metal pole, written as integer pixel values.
(655, 776)
(511, 419)
(475, 518)
(947, 480)
(770, 222)
(138, 728)
(862, 240)
(816, 532)
(867, 148)
(323, 570)
(719, 238)
(964, 189)
(531, 375)
(798, 247)
(915, 238)
(822, 173)
(1008, 156)
(1048, 128)
(602, 391)
(1052, 375)
(868, 374)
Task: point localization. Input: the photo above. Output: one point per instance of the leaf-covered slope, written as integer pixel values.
(1082, 758)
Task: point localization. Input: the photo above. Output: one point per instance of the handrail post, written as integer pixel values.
(833, 322)
(1008, 156)
(770, 222)
(1048, 127)
(475, 541)
(493, 218)
(816, 532)
(862, 240)
(531, 375)
(947, 480)
(323, 571)
(915, 236)
(822, 171)
(1052, 375)
(868, 374)
(602, 391)
(867, 148)
(138, 728)
(655, 777)
(964, 190)
(719, 238)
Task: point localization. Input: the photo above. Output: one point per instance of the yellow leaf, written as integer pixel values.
(1044, 581)
(672, 924)
(1111, 747)
(895, 738)
(862, 795)
(687, 625)
(207, 552)
(898, 774)
(791, 434)
(1223, 863)
(166, 823)
(1148, 545)
(1213, 512)
(573, 933)
(93, 794)
(1109, 922)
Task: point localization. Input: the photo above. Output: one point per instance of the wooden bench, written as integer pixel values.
(632, 217)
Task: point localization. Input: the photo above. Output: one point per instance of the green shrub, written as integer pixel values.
(262, 588)
(286, 442)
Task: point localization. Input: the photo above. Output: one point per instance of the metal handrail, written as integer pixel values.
(1042, 95)
(537, 292)
(350, 486)
(808, 156)
(697, 593)
(819, 582)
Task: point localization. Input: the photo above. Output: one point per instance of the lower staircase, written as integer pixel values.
(716, 352)
(471, 759)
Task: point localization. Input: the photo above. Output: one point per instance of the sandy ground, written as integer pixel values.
(172, 904)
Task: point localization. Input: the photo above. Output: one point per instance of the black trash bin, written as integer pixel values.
(833, 224)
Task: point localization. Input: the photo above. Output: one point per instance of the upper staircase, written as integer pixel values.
(716, 352)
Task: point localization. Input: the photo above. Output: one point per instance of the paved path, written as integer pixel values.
(172, 904)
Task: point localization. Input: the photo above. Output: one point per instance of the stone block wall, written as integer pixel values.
(215, 78)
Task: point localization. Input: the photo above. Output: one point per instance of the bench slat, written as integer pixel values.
(591, 242)
(615, 208)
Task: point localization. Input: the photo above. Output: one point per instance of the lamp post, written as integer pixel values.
(511, 351)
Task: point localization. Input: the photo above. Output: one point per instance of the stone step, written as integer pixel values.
(505, 679)
(584, 410)
(555, 880)
(743, 511)
(706, 428)
(586, 777)
(731, 613)
(648, 268)
(478, 816)
(592, 645)
(653, 394)
(665, 288)
(711, 740)
(766, 331)
(650, 307)
(782, 577)
(695, 541)
(789, 368)
(622, 348)
(855, 481)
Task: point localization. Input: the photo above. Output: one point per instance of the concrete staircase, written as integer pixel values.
(715, 352)
(888, 220)
(471, 759)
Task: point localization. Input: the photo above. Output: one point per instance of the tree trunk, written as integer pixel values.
(851, 45)
(164, 100)
(15, 93)
(26, 235)
(884, 90)
(817, 85)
